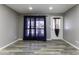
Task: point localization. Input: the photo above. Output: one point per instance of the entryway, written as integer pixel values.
(35, 28)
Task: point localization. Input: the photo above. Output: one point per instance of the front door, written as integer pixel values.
(34, 28)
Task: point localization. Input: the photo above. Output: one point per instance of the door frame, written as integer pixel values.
(35, 38)
(53, 36)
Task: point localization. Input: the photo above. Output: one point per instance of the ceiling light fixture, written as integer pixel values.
(50, 8)
(30, 8)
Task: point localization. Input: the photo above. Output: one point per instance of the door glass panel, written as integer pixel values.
(39, 24)
(27, 32)
(28, 23)
(42, 19)
(36, 32)
(39, 32)
(57, 23)
(32, 24)
(32, 32)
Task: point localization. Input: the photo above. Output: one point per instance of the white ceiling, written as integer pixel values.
(40, 8)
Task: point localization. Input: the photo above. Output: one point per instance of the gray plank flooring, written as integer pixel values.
(54, 47)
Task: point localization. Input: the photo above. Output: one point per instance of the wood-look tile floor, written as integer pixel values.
(54, 47)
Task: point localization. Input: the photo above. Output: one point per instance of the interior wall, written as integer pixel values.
(48, 24)
(71, 26)
(8, 25)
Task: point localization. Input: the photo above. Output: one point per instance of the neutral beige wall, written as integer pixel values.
(8, 25)
(71, 26)
(21, 23)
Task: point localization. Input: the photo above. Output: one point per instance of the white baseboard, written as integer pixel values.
(53, 39)
(8, 44)
(20, 39)
(71, 44)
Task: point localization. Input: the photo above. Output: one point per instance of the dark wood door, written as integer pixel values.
(34, 28)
